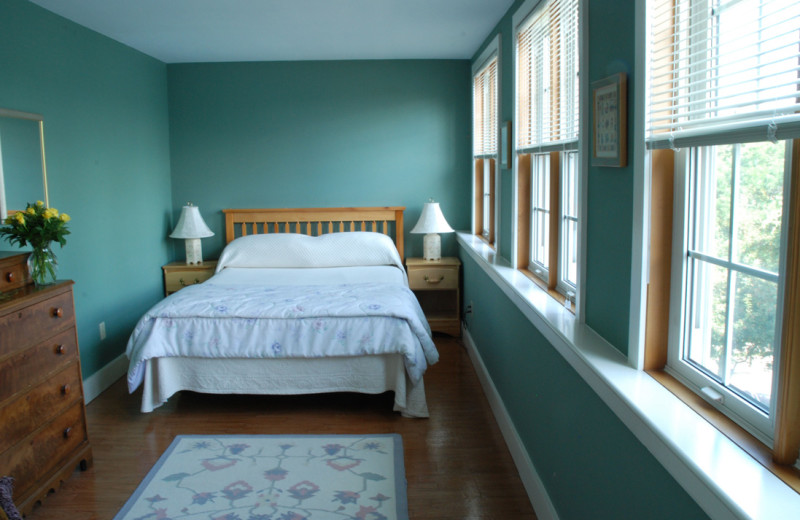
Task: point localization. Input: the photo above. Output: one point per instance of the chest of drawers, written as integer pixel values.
(43, 434)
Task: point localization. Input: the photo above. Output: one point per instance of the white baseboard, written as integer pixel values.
(103, 378)
(530, 478)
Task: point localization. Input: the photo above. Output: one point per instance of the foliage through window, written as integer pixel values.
(736, 209)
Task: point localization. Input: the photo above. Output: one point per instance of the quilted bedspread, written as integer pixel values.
(220, 321)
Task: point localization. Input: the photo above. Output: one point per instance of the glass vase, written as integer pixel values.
(42, 265)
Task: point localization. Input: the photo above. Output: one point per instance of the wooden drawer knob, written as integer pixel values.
(58, 312)
(65, 389)
(9, 277)
(67, 432)
(61, 349)
(427, 279)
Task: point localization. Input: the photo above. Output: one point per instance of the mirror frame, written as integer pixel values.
(17, 114)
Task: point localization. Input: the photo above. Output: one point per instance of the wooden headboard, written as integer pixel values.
(316, 221)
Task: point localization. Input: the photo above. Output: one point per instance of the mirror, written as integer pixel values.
(23, 172)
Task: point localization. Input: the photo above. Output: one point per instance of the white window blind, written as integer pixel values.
(485, 110)
(547, 78)
(724, 71)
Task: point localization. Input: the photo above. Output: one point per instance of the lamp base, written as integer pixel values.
(194, 251)
(432, 247)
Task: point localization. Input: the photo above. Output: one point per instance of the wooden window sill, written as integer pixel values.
(560, 298)
(486, 240)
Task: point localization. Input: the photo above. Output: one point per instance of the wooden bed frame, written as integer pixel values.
(316, 221)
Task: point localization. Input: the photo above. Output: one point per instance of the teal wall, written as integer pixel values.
(591, 465)
(321, 134)
(107, 145)
(609, 192)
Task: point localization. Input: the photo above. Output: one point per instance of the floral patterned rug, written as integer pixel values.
(274, 477)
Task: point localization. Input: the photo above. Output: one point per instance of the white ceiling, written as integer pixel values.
(181, 31)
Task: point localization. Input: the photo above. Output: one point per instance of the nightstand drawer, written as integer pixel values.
(177, 280)
(178, 275)
(433, 278)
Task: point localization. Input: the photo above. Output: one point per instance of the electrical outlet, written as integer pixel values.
(102, 330)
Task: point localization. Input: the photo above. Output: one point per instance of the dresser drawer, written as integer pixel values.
(45, 450)
(27, 412)
(13, 272)
(433, 278)
(33, 324)
(27, 368)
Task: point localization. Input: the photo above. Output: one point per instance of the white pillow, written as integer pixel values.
(296, 250)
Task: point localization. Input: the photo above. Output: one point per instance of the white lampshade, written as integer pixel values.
(431, 222)
(192, 228)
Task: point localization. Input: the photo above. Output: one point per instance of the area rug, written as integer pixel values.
(274, 477)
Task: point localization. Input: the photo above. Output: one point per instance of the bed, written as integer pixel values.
(302, 301)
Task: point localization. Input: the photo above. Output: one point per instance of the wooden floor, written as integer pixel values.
(457, 463)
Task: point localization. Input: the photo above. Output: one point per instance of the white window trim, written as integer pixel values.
(640, 241)
(492, 49)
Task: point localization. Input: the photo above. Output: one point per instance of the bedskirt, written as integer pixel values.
(372, 374)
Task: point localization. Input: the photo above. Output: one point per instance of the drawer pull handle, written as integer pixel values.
(65, 389)
(61, 349)
(58, 312)
(184, 284)
(67, 432)
(9, 277)
(428, 280)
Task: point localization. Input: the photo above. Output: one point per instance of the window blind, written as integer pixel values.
(484, 111)
(547, 78)
(723, 71)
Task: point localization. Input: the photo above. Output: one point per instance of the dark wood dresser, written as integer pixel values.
(43, 434)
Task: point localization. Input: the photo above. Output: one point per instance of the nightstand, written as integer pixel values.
(436, 285)
(178, 275)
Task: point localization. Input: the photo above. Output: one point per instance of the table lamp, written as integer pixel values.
(432, 222)
(192, 228)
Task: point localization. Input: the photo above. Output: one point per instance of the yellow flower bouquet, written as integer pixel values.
(38, 225)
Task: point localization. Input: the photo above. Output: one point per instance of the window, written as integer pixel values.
(540, 214)
(547, 116)
(723, 97)
(733, 217)
(568, 268)
(485, 128)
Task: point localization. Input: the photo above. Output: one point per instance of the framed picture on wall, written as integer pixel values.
(610, 117)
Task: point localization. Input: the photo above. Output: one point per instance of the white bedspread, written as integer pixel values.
(311, 321)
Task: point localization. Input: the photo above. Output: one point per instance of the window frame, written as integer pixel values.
(757, 422)
(523, 175)
(485, 165)
(569, 184)
(646, 348)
